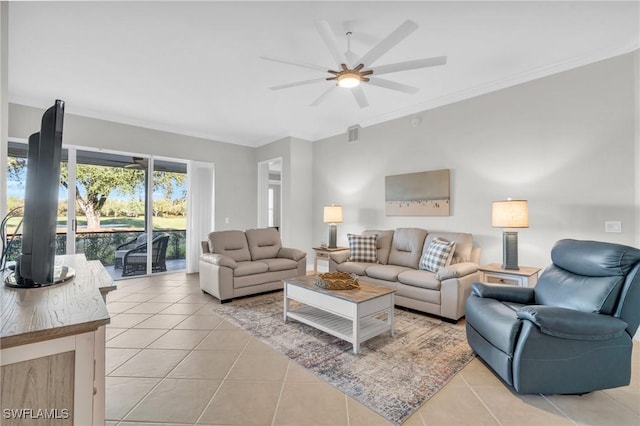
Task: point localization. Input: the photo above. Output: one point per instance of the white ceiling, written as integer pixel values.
(194, 68)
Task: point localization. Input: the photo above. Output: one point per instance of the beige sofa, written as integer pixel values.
(398, 257)
(240, 263)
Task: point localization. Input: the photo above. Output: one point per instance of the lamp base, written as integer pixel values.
(510, 250)
(333, 235)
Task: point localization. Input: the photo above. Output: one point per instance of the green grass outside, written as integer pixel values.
(178, 222)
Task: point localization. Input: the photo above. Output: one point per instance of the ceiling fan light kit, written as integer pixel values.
(348, 80)
(351, 78)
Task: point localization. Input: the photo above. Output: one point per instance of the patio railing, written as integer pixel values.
(101, 245)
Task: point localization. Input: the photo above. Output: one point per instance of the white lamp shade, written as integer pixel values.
(332, 214)
(510, 214)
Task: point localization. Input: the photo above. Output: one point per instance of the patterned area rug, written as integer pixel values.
(393, 376)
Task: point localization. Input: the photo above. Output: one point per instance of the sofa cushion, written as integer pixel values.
(423, 279)
(564, 289)
(250, 268)
(464, 244)
(437, 255)
(384, 243)
(230, 243)
(586, 275)
(386, 272)
(263, 243)
(363, 248)
(406, 247)
(357, 268)
(280, 264)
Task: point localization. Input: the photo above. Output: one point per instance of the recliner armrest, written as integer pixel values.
(219, 260)
(340, 256)
(503, 293)
(572, 324)
(291, 253)
(456, 270)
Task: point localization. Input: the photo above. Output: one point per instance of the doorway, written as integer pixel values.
(270, 179)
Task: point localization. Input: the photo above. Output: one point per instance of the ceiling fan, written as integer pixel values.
(138, 163)
(141, 163)
(354, 70)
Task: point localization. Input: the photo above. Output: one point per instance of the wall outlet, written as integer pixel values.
(613, 226)
(226, 220)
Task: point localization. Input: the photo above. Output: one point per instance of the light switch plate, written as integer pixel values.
(613, 226)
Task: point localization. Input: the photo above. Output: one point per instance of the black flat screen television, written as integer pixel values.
(36, 265)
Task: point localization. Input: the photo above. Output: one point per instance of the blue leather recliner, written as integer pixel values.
(570, 334)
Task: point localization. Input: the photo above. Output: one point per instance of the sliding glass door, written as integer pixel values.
(110, 206)
(128, 212)
(169, 215)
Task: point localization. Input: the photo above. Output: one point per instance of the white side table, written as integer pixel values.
(493, 273)
(322, 253)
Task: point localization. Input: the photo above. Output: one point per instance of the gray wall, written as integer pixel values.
(296, 186)
(235, 171)
(568, 143)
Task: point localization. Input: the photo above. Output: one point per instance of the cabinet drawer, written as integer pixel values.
(322, 255)
(501, 279)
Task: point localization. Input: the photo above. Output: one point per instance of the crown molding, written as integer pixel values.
(87, 113)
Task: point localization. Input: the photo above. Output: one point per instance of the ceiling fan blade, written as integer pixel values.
(392, 85)
(387, 43)
(358, 93)
(139, 163)
(324, 29)
(298, 83)
(323, 96)
(411, 65)
(295, 63)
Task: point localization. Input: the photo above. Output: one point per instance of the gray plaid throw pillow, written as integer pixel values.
(363, 248)
(438, 255)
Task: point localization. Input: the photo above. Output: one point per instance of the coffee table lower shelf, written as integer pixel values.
(337, 326)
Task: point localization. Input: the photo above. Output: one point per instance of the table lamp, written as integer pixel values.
(510, 214)
(332, 216)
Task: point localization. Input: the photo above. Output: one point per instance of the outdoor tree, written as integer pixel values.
(95, 184)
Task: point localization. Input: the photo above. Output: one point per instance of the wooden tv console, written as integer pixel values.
(52, 349)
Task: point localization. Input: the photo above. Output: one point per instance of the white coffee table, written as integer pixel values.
(351, 315)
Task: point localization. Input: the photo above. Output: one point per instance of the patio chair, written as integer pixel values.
(135, 260)
(126, 246)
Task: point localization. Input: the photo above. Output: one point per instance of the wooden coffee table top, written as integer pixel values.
(364, 293)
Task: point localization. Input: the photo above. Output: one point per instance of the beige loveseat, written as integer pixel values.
(399, 252)
(240, 263)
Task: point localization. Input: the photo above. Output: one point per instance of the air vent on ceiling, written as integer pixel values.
(353, 133)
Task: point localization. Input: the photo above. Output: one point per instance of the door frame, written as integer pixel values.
(263, 191)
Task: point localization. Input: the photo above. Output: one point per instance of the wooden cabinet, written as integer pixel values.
(52, 348)
(526, 276)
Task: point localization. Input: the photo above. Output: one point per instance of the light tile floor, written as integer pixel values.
(172, 361)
